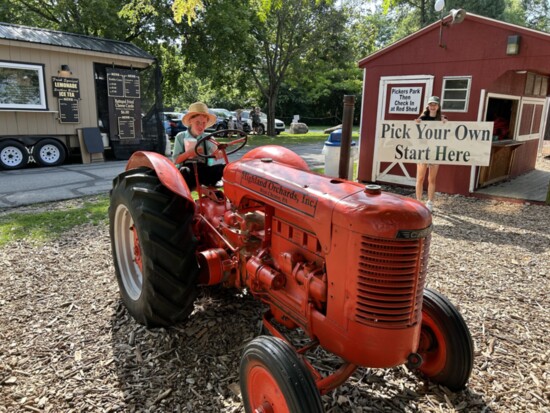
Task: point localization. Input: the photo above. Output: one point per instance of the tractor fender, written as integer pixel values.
(165, 169)
(278, 154)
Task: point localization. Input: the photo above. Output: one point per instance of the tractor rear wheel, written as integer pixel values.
(273, 379)
(445, 345)
(153, 249)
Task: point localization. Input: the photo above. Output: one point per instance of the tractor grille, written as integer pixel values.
(390, 282)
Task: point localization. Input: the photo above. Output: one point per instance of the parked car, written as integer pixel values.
(222, 121)
(172, 124)
(224, 113)
(279, 124)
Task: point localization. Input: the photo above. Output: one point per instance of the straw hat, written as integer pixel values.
(199, 108)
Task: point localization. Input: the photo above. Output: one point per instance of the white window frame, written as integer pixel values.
(39, 69)
(467, 99)
(532, 101)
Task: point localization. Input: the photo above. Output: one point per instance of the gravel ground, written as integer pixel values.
(68, 345)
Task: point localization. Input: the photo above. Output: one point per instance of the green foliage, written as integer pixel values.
(515, 12)
(48, 225)
(488, 8)
(89, 17)
(188, 8)
(537, 14)
(287, 56)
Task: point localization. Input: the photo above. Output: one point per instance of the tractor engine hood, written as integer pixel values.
(317, 203)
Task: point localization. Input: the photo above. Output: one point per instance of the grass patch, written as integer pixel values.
(48, 225)
(289, 138)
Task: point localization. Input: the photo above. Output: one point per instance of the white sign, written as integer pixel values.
(449, 143)
(405, 100)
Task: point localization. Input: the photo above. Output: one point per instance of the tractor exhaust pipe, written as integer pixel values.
(347, 124)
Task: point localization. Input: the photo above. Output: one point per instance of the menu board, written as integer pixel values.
(123, 89)
(68, 111)
(67, 92)
(131, 86)
(115, 85)
(126, 127)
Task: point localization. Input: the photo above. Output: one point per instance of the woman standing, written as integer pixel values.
(432, 112)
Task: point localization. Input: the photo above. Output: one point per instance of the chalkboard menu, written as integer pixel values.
(132, 86)
(126, 127)
(123, 90)
(67, 92)
(115, 85)
(68, 111)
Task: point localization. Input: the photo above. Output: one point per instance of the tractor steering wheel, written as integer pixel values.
(237, 138)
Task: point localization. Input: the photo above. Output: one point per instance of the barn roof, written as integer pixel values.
(435, 26)
(70, 40)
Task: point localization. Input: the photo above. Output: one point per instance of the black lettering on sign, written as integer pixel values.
(292, 198)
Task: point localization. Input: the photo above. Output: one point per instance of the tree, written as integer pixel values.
(262, 42)
(93, 18)
(488, 8)
(292, 34)
(537, 14)
(315, 86)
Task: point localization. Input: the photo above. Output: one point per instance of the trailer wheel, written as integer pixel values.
(49, 152)
(153, 249)
(445, 345)
(273, 379)
(13, 155)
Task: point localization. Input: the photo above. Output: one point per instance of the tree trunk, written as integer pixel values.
(271, 104)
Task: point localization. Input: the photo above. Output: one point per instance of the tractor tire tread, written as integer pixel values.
(460, 366)
(168, 245)
(291, 374)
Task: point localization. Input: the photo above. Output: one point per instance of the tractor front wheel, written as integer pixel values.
(273, 379)
(445, 345)
(153, 249)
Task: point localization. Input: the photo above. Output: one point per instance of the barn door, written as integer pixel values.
(400, 98)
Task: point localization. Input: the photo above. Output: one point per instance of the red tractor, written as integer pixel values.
(343, 262)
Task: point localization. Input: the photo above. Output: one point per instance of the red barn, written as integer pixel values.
(483, 70)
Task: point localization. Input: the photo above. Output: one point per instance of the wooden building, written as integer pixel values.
(59, 90)
(483, 70)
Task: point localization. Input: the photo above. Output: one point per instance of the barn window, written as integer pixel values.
(530, 119)
(456, 94)
(536, 85)
(22, 86)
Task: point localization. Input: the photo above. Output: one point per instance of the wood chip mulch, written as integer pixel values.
(68, 345)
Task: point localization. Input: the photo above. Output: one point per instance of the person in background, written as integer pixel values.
(230, 123)
(238, 119)
(210, 171)
(432, 112)
(255, 116)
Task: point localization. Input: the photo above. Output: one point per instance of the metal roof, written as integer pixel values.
(70, 40)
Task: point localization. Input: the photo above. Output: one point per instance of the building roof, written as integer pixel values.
(446, 20)
(70, 40)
